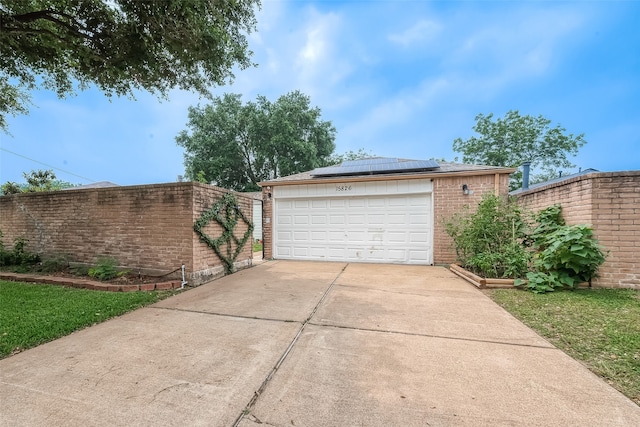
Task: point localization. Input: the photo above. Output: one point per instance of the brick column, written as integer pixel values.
(267, 221)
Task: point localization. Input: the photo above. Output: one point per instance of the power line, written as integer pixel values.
(47, 165)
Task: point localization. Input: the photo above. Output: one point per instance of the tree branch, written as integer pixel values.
(47, 15)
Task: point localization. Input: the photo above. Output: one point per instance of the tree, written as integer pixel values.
(516, 139)
(336, 159)
(236, 145)
(119, 45)
(36, 181)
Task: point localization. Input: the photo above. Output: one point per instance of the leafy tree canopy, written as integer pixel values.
(119, 45)
(336, 159)
(36, 180)
(515, 139)
(236, 145)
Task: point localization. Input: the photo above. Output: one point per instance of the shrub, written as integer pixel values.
(492, 241)
(53, 263)
(19, 257)
(566, 255)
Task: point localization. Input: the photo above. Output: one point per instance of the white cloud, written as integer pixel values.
(516, 45)
(423, 30)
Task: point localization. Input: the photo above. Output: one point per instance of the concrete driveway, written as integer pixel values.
(310, 344)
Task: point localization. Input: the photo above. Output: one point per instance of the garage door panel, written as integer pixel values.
(357, 220)
(284, 236)
(397, 255)
(337, 236)
(418, 219)
(419, 201)
(419, 238)
(376, 203)
(285, 219)
(375, 219)
(318, 252)
(285, 204)
(336, 253)
(301, 219)
(300, 236)
(300, 252)
(396, 229)
(397, 236)
(418, 255)
(357, 236)
(337, 219)
(283, 251)
(375, 236)
(398, 201)
(396, 219)
(318, 236)
(318, 219)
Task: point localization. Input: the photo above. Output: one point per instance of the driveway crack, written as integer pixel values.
(444, 337)
(247, 410)
(238, 316)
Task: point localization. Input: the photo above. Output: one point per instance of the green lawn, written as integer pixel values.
(600, 327)
(32, 314)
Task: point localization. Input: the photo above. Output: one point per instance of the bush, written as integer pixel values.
(566, 255)
(19, 257)
(492, 241)
(54, 263)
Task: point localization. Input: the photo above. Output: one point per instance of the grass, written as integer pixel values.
(32, 314)
(257, 247)
(600, 327)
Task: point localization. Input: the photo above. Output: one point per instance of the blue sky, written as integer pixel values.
(397, 78)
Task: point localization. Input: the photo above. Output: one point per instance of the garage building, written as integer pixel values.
(382, 210)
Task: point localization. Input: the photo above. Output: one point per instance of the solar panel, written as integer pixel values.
(375, 166)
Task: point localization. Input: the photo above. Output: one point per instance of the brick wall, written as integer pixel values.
(574, 194)
(448, 199)
(610, 203)
(147, 228)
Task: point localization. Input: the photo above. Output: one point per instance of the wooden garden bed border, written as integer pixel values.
(481, 282)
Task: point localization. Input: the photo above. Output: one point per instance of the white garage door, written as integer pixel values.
(392, 228)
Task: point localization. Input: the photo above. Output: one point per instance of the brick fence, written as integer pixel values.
(145, 228)
(610, 203)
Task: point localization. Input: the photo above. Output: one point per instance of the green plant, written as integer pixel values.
(566, 256)
(549, 220)
(491, 241)
(79, 269)
(53, 263)
(19, 257)
(105, 269)
(3, 253)
(227, 213)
